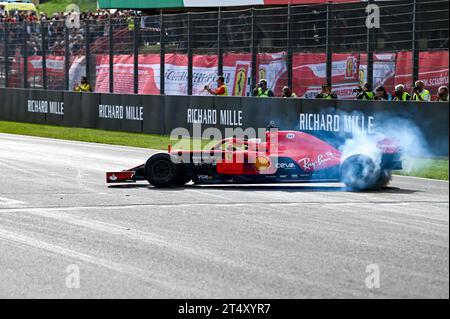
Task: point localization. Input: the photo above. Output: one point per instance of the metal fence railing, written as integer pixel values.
(300, 46)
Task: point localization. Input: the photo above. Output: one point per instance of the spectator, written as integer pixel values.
(442, 94)
(400, 94)
(420, 93)
(262, 90)
(287, 92)
(382, 95)
(84, 85)
(364, 92)
(221, 90)
(326, 93)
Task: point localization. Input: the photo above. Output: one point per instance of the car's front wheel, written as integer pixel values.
(359, 172)
(160, 170)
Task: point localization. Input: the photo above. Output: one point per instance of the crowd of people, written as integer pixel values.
(364, 92)
(29, 23)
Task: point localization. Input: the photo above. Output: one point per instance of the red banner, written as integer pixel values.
(309, 72)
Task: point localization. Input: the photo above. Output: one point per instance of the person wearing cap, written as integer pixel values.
(287, 92)
(326, 93)
(420, 93)
(442, 94)
(221, 90)
(84, 85)
(262, 90)
(400, 94)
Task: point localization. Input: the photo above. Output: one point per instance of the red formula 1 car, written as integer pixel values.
(285, 157)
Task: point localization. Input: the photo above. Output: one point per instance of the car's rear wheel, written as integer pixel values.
(160, 171)
(384, 179)
(359, 172)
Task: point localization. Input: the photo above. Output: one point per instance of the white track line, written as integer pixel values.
(120, 268)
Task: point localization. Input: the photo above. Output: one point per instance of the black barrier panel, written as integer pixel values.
(56, 108)
(72, 108)
(5, 104)
(89, 109)
(133, 113)
(259, 112)
(331, 120)
(229, 114)
(154, 114)
(110, 112)
(183, 112)
(19, 110)
(356, 117)
(432, 120)
(36, 106)
(200, 110)
(324, 119)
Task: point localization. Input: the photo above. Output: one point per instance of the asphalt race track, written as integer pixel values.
(58, 217)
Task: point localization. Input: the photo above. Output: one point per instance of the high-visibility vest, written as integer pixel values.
(369, 94)
(327, 96)
(425, 94)
(226, 90)
(130, 23)
(83, 88)
(262, 93)
(405, 97)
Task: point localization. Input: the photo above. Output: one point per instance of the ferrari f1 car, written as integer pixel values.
(285, 157)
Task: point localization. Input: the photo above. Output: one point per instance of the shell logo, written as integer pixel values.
(262, 163)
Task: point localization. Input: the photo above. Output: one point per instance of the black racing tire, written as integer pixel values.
(160, 171)
(182, 178)
(384, 179)
(359, 172)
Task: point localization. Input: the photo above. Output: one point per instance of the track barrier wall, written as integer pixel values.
(332, 120)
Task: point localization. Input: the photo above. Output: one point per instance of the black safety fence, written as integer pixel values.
(302, 46)
(330, 120)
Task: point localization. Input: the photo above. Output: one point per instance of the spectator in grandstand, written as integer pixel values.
(84, 85)
(420, 93)
(221, 90)
(326, 93)
(287, 92)
(364, 92)
(262, 90)
(382, 95)
(442, 94)
(400, 94)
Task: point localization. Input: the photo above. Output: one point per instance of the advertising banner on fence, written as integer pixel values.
(433, 69)
(383, 70)
(55, 71)
(310, 72)
(273, 68)
(237, 69)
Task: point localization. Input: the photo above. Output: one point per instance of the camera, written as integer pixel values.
(357, 90)
(416, 88)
